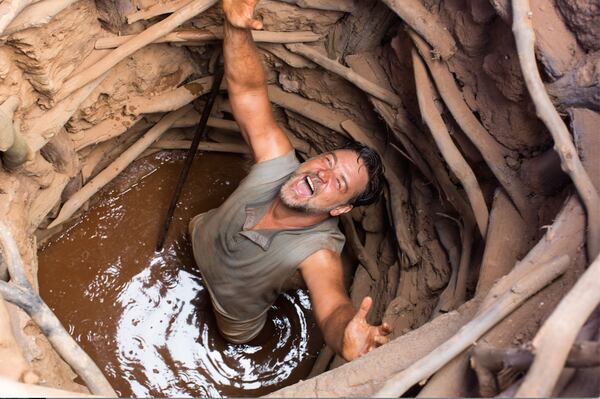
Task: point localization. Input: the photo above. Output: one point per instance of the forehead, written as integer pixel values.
(352, 166)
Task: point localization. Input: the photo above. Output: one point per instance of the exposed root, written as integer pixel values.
(451, 154)
(525, 40)
(502, 306)
(21, 293)
(493, 154)
(92, 187)
(146, 37)
(556, 336)
(346, 73)
(415, 15)
(363, 256)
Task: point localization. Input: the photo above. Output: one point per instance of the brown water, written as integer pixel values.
(145, 317)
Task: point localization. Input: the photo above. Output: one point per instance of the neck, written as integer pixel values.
(283, 215)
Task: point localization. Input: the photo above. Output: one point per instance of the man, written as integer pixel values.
(282, 217)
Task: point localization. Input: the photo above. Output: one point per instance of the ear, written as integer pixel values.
(341, 210)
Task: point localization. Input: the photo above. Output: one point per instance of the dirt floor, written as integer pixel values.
(490, 218)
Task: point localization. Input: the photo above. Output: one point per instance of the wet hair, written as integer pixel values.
(374, 166)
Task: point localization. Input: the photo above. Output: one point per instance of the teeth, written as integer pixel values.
(310, 183)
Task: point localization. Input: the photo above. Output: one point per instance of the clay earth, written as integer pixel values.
(490, 218)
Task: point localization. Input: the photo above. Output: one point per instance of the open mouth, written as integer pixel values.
(305, 187)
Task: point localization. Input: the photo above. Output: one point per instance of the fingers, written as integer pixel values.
(256, 24)
(365, 305)
(385, 329)
(381, 340)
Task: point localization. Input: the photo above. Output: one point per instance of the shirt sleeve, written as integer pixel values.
(272, 171)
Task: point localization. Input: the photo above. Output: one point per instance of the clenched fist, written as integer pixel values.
(240, 13)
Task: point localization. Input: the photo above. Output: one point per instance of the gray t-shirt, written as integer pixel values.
(246, 269)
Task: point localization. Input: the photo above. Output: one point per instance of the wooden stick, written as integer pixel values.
(203, 146)
(37, 14)
(346, 73)
(92, 187)
(491, 151)
(556, 336)
(327, 5)
(444, 142)
(198, 37)
(146, 37)
(502, 306)
(426, 24)
(307, 108)
(570, 162)
(156, 9)
(21, 293)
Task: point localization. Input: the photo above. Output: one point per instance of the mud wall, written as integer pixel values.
(337, 70)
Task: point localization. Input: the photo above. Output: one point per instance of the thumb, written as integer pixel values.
(365, 306)
(256, 24)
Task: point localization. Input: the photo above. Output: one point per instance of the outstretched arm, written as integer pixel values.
(247, 84)
(345, 330)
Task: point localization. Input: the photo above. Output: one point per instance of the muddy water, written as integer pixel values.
(145, 317)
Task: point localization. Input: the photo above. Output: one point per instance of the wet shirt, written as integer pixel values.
(246, 269)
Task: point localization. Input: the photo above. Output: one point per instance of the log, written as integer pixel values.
(37, 14)
(570, 162)
(21, 293)
(346, 73)
(110, 172)
(426, 24)
(105, 130)
(310, 109)
(327, 5)
(491, 151)
(556, 336)
(451, 154)
(156, 9)
(469, 333)
(200, 37)
(170, 100)
(46, 200)
(148, 36)
(9, 9)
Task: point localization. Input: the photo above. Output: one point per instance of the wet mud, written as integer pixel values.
(145, 317)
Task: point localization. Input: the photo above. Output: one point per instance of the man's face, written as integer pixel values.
(326, 183)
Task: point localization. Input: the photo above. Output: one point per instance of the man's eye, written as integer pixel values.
(339, 185)
(329, 161)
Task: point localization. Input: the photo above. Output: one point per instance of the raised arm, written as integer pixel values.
(345, 330)
(247, 84)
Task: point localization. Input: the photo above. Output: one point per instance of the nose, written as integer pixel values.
(324, 175)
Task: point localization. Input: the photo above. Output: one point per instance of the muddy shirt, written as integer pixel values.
(246, 269)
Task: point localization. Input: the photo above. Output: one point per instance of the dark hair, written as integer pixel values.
(372, 161)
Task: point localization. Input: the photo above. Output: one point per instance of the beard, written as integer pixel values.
(291, 200)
